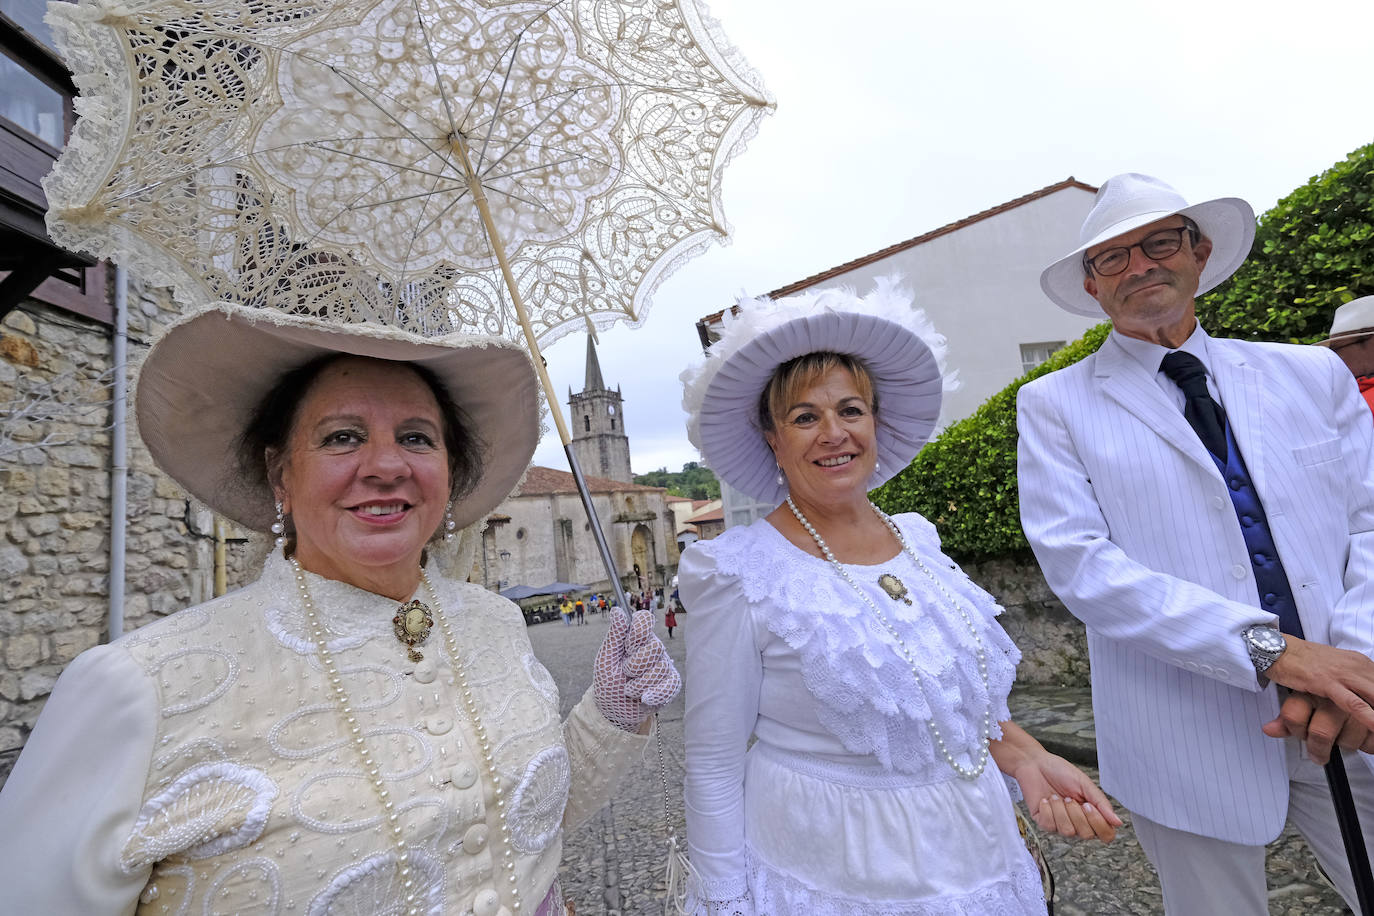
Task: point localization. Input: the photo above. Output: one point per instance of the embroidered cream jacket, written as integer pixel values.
(199, 765)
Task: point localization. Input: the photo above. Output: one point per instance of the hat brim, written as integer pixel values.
(906, 380)
(1228, 222)
(205, 377)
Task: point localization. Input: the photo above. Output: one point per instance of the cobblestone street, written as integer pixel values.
(613, 865)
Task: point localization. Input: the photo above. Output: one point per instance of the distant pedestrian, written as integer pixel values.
(565, 608)
(670, 621)
(581, 608)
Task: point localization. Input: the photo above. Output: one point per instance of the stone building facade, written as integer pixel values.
(56, 398)
(541, 534)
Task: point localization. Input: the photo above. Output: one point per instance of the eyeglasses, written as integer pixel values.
(1156, 246)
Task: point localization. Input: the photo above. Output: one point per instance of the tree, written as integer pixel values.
(694, 481)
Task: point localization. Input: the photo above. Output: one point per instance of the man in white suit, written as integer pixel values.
(1184, 508)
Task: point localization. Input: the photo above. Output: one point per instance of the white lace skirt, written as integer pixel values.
(829, 839)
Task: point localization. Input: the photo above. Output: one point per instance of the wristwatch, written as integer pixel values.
(1265, 645)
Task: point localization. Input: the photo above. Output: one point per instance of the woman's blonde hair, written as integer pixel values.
(796, 375)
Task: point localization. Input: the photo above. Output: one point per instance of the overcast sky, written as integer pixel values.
(896, 117)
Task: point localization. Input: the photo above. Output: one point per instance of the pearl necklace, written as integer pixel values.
(373, 771)
(981, 758)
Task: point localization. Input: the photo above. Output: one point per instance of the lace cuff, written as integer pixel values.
(719, 897)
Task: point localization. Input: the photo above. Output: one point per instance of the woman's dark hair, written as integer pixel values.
(272, 420)
(796, 375)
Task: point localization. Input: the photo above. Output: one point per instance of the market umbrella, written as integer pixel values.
(515, 168)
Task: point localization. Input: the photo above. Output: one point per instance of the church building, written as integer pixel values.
(541, 534)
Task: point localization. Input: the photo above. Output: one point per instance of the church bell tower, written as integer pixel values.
(599, 439)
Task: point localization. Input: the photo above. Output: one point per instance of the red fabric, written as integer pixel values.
(1367, 389)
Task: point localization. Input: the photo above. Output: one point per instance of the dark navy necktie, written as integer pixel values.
(1205, 415)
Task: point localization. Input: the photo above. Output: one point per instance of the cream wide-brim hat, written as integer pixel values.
(205, 377)
(894, 340)
(1126, 202)
(1354, 319)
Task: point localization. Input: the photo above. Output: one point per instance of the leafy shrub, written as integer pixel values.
(1313, 252)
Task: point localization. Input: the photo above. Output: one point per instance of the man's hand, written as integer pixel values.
(1320, 723)
(1343, 677)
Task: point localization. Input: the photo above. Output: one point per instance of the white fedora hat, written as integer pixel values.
(894, 340)
(205, 377)
(1127, 202)
(1354, 319)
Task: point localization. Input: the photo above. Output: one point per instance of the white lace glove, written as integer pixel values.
(633, 674)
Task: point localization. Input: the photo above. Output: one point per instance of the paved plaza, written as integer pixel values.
(613, 865)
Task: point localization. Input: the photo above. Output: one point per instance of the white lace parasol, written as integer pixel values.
(328, 157)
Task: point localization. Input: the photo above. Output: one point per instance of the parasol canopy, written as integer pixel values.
(330, 156)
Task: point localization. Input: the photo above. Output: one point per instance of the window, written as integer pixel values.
(612, 425)
(35, 118)
(1034, 354)
(586, 423)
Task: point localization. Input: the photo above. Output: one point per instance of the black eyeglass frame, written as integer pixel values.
(1090, 264)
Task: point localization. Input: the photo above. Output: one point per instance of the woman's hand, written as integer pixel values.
(633, 674)
(1062, 799)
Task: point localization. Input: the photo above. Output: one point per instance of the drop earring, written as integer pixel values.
(450, 525)
(782, 481)
(279, 526)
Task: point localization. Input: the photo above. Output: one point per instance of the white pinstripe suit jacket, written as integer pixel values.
(1135, 532)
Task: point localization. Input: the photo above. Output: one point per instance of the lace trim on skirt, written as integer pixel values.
(774, 891)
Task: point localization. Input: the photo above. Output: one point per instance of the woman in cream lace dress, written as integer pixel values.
(353, 733)
(867, 666)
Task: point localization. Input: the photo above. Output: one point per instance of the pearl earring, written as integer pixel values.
(877, 465)
(279, 526)
(449, 524)
(782, 481)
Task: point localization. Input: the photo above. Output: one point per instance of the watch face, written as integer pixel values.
(1267, 639)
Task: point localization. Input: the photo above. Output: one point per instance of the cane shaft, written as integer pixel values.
(1351, 834)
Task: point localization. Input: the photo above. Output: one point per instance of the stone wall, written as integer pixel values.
(1054, 649)
(55, 507)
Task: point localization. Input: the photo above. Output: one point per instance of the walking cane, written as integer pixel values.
(1350, 832)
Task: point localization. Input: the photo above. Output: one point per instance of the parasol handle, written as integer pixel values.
(479, 197)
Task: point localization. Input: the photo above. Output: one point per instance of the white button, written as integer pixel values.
(1219, 502)
(1239, 571)
(425, 671)
(1191, 666)
(438, 725)
(463, 775)
(486, 903)
(475, 840)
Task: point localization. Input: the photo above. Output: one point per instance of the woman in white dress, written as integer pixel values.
(867, 666)
(354, 732)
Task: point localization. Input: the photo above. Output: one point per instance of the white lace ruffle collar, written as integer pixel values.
(352, 616)
(863, 688)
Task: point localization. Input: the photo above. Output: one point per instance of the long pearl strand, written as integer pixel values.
(373, 771)
(981, 758)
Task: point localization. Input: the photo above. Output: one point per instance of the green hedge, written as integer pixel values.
(1313, 251)
(964, 480)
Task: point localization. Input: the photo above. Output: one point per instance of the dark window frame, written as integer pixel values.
(74, 282)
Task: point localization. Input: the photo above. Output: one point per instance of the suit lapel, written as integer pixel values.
(1241, 395)
(1125, 381)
